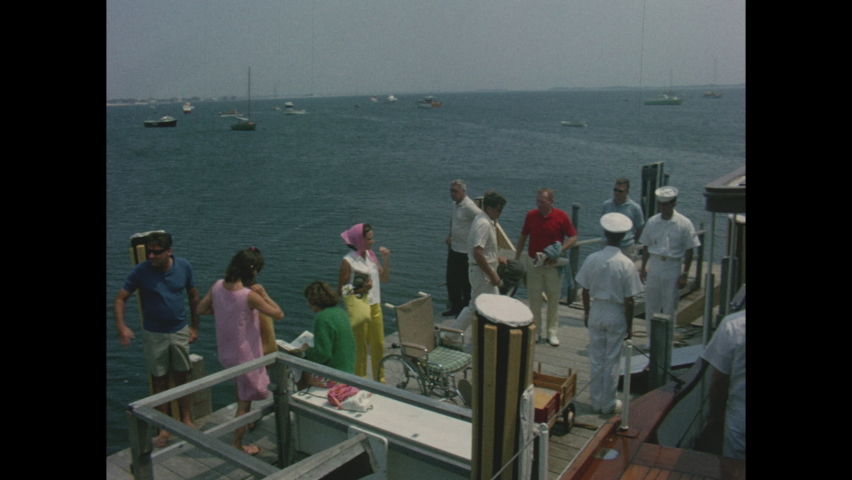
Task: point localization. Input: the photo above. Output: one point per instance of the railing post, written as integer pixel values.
(281, 398)
(709, 283)
(542, 443)
(699, 267)
(628, 367)
(662, 336)
(573, 257)
(141, 465)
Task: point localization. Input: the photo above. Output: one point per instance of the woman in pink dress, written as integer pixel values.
(235, 302)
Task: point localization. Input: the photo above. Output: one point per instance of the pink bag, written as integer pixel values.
(340, 392)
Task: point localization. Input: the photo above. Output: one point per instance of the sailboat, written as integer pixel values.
(667, 98)
(711, 93)
(245, 123)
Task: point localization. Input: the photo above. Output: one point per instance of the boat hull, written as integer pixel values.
(244, 126)
(160, 123)
(667, 101)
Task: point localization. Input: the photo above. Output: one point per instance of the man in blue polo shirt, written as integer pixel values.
(166, 336)
(621, 203)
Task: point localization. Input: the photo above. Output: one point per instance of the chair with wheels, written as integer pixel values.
(423, 364)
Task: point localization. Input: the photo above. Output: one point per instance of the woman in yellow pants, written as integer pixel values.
(359, 285)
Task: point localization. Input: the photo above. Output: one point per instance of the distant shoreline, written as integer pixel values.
(552, 89)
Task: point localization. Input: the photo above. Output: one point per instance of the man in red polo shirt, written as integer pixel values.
(545, 226)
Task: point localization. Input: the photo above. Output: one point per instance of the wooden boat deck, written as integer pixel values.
(196, 464)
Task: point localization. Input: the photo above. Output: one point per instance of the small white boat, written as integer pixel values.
(374, 98)
(290, 110)
(187, 108)
(166, 121)
(230, 113)
(566, 123)
(390, 99)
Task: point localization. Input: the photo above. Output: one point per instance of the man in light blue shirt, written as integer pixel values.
(621, 203)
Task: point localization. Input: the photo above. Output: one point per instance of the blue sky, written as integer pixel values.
(167, 48)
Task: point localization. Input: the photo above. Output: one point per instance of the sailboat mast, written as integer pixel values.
(249, 92)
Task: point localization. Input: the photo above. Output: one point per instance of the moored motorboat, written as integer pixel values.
(243, 124)
(664, 99)
(290, 110)
(187, 108)
(230, 113)
(390, 99)
(166, 121)
(428, 102)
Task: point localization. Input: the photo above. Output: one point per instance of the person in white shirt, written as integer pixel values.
(610, 281)
(482, 258)
(727, 353)
(464, 211)
(669, 238)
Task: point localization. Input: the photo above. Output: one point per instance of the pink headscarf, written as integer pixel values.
(355, 237)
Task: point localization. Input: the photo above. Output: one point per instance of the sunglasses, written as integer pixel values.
(156, 252)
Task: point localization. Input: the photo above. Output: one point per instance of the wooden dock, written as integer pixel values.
(179, 461)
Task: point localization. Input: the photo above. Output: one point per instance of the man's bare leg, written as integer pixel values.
(184, 402)
(161, 384)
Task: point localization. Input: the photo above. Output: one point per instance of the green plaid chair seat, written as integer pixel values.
(447, 360)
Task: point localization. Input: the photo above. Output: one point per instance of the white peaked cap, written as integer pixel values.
(666, 194)
(616, 222)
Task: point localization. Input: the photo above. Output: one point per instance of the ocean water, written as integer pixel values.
(293, 185)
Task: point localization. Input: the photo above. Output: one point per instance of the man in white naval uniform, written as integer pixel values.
(669, 238)
(610, 281)
(482, 258)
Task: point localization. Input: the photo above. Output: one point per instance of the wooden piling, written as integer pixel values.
(503, 350)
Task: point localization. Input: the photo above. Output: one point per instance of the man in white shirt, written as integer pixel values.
(610, 281)
(669, 238)
(464, 211)
(482, 257)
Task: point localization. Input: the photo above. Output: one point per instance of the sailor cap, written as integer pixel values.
(616, 222)
(666, 194)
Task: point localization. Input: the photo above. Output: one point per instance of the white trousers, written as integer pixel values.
(545, 279)
(479, 284)
(661, 291)
(607, 330)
